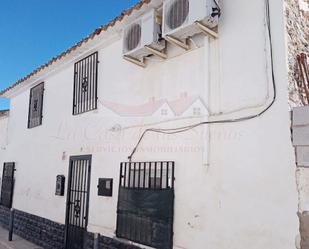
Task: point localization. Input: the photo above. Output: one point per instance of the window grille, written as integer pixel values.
(146, 203)
(36, 106)
(7, 184)
(147, 175)
(85, 84)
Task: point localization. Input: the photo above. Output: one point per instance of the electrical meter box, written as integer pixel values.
(60, 180)
(105, 187)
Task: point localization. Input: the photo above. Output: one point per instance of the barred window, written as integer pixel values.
(148, 176)
(145, 208)
(36, 106)
(85, 84)
(7, 184)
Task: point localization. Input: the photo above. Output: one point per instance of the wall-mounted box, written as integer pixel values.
(105, 187)
(60, 180)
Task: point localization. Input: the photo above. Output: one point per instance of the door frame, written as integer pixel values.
(67, 212)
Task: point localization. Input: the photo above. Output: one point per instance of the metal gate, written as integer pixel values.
(145, 211)
(77, 201)
(7, 184)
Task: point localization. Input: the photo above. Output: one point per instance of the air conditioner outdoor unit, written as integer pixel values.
(142, 33)
(180, 17)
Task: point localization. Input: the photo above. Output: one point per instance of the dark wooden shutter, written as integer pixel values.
(85, 84)
(7, 184)
(36, 106)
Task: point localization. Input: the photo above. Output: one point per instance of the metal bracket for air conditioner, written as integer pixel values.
(135, 61)
(206, 31)
(177, 42)
(156, 52)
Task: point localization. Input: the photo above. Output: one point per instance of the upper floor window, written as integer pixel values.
(85, 84)
(36, 106)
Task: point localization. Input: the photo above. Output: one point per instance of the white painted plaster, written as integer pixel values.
(236, 191)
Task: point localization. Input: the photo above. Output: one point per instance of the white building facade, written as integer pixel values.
(234, 182)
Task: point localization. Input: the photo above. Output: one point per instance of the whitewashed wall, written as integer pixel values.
(3, 135)
(235, 186)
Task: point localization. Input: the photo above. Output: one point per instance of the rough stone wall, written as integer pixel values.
(300, 128)
(49, 234)
(297, 25)
(43, 232)
(304, 221)
(4, 217)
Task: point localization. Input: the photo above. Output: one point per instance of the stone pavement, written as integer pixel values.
(17, 243)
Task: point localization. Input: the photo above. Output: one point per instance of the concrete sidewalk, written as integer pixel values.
(17, 243)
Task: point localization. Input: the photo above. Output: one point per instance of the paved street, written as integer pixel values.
(17, 243)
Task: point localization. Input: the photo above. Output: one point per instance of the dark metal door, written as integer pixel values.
(145, 211)
(77, 201)
(7, 184)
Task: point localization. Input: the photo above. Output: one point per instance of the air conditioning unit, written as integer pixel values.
(180, 17)
(142, 33)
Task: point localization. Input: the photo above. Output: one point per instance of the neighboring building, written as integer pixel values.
(77, 119)
(297, 26)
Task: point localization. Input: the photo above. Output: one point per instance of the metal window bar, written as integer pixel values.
(7, 184)
(147, 175)
(85, 84)
(35, 115)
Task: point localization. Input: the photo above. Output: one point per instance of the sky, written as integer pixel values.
(33, 31)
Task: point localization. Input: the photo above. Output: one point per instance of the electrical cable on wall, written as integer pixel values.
(218, 9)
(171, 131)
